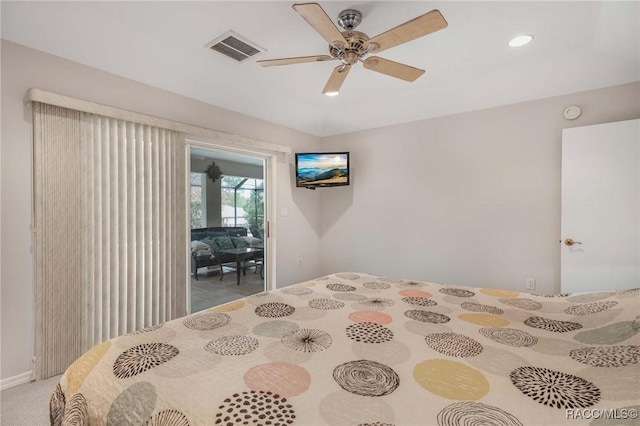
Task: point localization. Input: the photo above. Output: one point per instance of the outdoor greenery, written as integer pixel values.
(249, 196)
(196, 211)
(197, 219)
(255, 208)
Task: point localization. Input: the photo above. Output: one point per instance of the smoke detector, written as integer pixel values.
(572, 112)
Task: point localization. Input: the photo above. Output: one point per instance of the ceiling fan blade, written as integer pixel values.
(296, 60)
(411, 30)
(394, 69)
(315, 15)
(337, 78)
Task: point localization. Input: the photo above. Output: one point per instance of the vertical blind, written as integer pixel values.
(110, 233)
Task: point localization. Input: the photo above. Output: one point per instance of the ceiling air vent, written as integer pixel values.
(235, 46)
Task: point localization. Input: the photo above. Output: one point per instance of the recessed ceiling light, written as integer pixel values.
(521, 40)
(332, 93)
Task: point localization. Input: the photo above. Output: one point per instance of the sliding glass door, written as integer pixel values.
(228, 226)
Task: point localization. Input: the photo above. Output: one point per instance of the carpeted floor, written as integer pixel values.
(27, 404)
(210, 291)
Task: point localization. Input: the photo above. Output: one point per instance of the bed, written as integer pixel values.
(357, 349)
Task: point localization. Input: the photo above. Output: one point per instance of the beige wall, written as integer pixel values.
(22, 68)
(470, 199)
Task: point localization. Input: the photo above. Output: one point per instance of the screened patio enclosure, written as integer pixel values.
(243, 202)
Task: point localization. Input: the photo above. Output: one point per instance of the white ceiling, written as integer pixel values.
(578, 46)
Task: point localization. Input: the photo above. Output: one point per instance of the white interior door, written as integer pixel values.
(601, 207)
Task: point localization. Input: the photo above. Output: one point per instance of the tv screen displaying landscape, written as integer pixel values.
(322, 169)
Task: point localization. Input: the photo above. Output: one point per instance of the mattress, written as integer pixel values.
(357, 349)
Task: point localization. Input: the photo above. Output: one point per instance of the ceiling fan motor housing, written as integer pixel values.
(354, 49)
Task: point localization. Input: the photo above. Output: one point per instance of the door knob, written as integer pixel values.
(570, 242)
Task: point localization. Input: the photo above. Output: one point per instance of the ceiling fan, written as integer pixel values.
(351, 46)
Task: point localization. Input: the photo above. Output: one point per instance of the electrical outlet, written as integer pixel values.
(531, 283)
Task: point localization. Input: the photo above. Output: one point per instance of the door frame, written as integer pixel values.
(270, 159)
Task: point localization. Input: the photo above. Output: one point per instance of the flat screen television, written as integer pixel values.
(322, 169)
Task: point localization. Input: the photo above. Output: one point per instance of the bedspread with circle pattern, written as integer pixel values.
(357, 349)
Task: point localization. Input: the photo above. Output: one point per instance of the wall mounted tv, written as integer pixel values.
(322, 169)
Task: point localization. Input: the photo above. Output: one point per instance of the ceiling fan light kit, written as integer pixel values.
(350, 46)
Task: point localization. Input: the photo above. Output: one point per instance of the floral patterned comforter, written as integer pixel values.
(356, 349)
